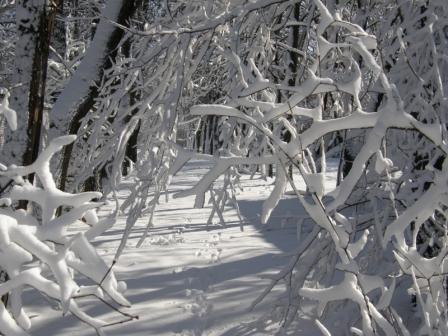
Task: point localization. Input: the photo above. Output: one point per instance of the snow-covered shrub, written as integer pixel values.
(369, 247)
(37, 250)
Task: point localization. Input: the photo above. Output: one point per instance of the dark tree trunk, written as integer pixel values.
(297, 42)
(131, 146)
(38, 81)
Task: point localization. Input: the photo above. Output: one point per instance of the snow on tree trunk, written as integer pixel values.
(78, 96)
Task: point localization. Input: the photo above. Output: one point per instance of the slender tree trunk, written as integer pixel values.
(131, 146)
(38, 80)
(297, 41)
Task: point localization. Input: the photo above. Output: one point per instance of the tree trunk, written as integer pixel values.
(35, 24)
(79, 96)
(38, 80)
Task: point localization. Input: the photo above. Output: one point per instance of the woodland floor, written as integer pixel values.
(188, 278)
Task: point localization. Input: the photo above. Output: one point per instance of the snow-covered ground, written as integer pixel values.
(188, 278)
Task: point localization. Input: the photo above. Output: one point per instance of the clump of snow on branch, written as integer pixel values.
(8, 113)
(38, 252)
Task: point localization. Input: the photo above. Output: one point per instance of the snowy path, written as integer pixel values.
(187, 279)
